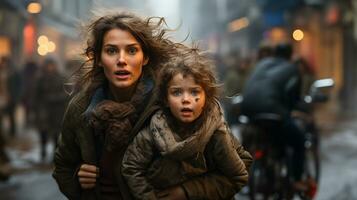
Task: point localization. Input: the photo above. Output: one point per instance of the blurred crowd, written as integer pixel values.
(38, 88)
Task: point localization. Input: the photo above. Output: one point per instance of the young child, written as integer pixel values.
(186, 138)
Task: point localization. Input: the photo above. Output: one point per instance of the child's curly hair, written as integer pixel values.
(189, 61)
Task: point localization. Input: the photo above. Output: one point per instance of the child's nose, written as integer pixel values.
(185, 98)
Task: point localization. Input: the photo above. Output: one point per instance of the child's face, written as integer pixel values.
(185, 98)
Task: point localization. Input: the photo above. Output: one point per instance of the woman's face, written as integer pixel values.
(122, 58)
(185, 98)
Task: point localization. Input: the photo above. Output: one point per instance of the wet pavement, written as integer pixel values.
(31, 177)
(339, 162)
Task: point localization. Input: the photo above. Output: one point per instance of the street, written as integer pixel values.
(269, 53)
(31, 179)
(338, 153)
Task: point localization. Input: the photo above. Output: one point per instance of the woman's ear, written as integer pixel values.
(146, 60)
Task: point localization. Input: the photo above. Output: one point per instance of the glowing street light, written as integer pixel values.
(45, 46)
(51, 46)
(238, 24)
(298, 35)
(42, 40)
(34, 8)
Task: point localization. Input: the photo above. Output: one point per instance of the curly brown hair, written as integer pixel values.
(150, 33)
(190, 61)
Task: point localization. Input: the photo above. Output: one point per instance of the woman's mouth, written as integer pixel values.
(122, 74)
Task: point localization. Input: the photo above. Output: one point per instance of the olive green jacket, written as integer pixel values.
(147, 166)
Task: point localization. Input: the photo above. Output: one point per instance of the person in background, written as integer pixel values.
(234, 82)
(4, 101)
(307, 74)
(275, 87)
(14, 91)
(50, 100)
(29, 74)
(264, 51)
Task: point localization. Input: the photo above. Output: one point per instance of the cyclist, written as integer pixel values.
(274, 87)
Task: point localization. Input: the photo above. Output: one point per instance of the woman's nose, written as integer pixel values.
(121, 58)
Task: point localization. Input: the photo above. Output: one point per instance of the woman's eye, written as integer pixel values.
(132, 50)
(111, 51)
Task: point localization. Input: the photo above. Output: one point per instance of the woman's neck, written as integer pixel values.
(122, 94)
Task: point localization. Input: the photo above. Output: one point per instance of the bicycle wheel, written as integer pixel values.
(311, 172)
(259, 183)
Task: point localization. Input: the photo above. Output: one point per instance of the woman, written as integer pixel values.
(124, 52)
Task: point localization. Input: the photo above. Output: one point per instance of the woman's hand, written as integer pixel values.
(87, 176)
(173, 193)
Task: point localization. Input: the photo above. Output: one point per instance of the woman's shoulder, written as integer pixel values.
(79, 101)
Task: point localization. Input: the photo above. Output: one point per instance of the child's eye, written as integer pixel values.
(195, 92)
(176, 93)
(132, 50)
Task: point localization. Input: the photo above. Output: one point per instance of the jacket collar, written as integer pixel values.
(102, 93)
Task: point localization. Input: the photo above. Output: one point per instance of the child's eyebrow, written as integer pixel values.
(175, 87)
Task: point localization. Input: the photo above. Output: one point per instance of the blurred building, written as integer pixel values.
(58, 28)
(13, 17)
(348, 21)
(324, 32)
(38, 28)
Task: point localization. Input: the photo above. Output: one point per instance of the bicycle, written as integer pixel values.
(271, 174)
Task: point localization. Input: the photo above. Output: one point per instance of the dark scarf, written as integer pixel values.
(169, 143)
(113, 121)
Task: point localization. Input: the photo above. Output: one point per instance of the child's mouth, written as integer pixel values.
(186, 111)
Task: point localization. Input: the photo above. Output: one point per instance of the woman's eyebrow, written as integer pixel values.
(110, 45)
(128, 45)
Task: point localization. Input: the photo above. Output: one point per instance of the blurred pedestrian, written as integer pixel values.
(264, 51)
(29, 74)
(234, 82)
(14, 92)
(307, 75)
(4, 94)
(50, 101)
(275, 88)
(4, 99)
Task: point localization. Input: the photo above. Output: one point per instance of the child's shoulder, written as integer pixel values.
(223, 136)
